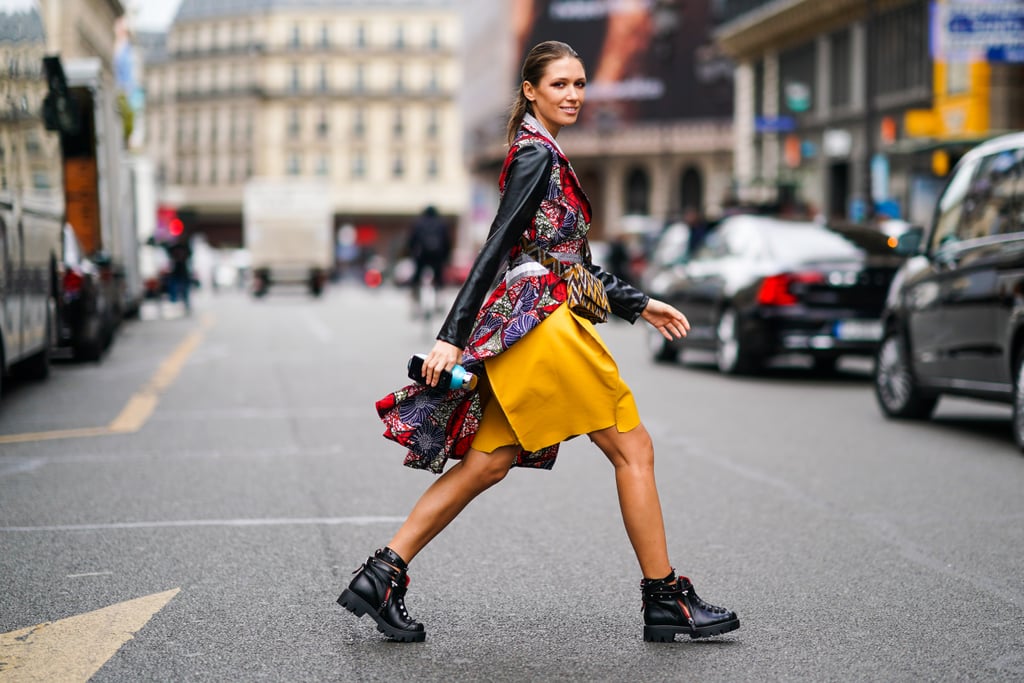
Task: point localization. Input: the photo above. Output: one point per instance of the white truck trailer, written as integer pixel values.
(288, 227)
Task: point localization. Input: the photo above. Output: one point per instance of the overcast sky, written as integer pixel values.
(154, 15)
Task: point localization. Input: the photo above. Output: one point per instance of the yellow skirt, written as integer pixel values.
(557, 382)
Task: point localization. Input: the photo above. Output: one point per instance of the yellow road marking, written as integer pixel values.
(73, 649)
(142, 403)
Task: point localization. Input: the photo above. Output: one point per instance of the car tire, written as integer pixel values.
(661, 349)
(896, 389)
(1018, 403)
(731, 353)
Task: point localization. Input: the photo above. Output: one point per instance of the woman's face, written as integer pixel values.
(559, 95)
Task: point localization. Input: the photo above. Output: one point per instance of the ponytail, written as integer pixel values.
(520, 107)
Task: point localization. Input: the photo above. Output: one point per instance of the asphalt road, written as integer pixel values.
(231, 465)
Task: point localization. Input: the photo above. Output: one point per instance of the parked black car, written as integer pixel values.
(761, 287)
(954, 320)
(86, 307)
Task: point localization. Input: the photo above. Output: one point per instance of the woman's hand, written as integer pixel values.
(443, 356)
(666, 319)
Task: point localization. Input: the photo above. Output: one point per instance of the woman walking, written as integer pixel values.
(545, 374)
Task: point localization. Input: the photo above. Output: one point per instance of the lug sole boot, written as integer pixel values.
(378, 589)
(671, 606)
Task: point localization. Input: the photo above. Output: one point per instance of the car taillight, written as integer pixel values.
(72, 282)
(777, 290)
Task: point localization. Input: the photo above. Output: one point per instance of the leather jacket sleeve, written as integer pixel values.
(525, 187)
(627, 301)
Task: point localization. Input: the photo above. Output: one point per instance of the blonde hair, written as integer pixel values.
(534, 66)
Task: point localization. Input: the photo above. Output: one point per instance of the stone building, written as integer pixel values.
(362, 94)
(842, 107)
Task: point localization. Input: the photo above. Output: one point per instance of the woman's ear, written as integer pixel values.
(528, 91)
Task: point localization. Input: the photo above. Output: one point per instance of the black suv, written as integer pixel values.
(954, 319)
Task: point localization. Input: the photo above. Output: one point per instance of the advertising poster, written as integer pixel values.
(646, 60)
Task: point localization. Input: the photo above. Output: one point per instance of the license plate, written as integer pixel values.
(859, 330)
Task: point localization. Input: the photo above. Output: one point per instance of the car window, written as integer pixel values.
(950, 206)
(713, 247)
(988, 204)
(743, 240)
(801, 243)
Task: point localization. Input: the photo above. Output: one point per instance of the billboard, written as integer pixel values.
(646, 60)
(968, 31)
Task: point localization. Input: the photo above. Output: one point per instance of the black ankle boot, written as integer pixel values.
(671, 606)
(378, 589)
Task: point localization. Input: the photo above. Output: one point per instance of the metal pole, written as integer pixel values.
(869, 108)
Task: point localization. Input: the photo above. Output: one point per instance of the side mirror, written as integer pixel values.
(910, 242)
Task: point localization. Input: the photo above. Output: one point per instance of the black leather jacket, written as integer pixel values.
(526, 185)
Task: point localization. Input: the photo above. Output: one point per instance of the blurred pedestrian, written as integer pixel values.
(430, 247)
(179, 279)
(545, 375)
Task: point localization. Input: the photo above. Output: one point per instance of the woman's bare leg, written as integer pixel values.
(449, 495)
(632, 455)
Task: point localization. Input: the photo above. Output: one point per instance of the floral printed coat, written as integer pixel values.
(541, 199)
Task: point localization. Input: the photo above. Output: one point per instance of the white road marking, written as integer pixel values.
(185, 523)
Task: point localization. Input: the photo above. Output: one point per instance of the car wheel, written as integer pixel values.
(895, 387)
(661, 349)
(730, 350)
(1018, 404)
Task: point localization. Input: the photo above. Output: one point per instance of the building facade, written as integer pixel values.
(841, 109)
(361, 94)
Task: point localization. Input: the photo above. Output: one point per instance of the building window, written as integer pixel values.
(400, 37)
(296, 39)
(360, 35)
(840, 69)
(399, 78)
(322, 165)
(638, 192)
(433, 123)
(434, 37)
(296, 78)
(322, 84)
(398, 166)
(899, 50)
(323, 127)
(325, 35)
(432, 167)
(213, 172)
(294, 164)
(360, 78)
(359, 122)
(294, 124)
(433, 81)
(796, 78)
(398, 127)
(359, 165)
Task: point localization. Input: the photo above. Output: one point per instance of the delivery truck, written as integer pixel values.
(97, 184)
(288, 226)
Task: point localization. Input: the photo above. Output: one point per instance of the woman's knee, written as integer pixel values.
(626, 449)
(489, 468)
